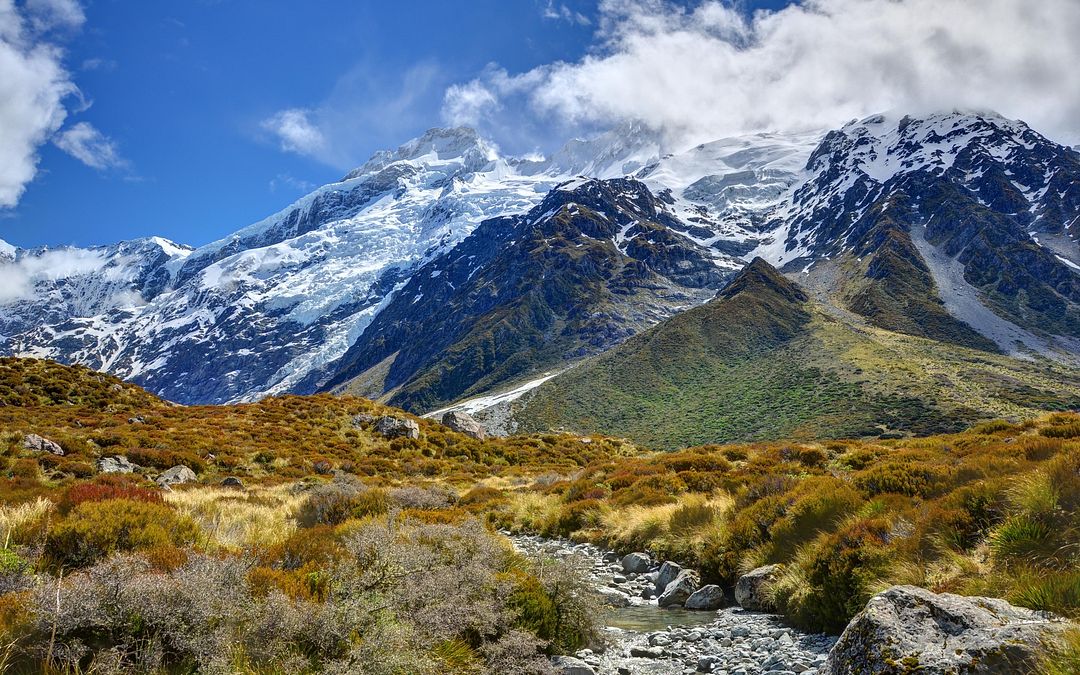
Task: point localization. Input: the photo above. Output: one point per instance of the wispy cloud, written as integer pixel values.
(286, 181)
(18, 278)
(561, 12)
(295, 131)
(710, 70)
(91, 147)
(362, 106)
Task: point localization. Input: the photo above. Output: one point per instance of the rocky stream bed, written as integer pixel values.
(646, 638)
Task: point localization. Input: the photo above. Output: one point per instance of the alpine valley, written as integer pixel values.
(896, 275)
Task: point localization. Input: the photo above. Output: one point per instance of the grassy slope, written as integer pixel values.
(756, 365)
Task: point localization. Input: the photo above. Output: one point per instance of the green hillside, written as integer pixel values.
(762, 361)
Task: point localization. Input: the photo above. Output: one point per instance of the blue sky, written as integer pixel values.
(190, 120)
(182, 90)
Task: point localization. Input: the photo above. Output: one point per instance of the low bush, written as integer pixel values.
(96, 529)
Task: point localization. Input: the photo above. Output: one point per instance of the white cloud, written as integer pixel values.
(711, 71)
(17, 279)
(33, 85)
(55, 14)
(296, 132)
(562, 12)
(364, 106)
(91, 147)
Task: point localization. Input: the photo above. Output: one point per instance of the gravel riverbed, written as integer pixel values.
(644, 638)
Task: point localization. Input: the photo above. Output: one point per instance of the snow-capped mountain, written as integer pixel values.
(954, 206)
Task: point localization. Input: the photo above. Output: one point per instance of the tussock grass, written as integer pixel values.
(233, 519)
(23, 523)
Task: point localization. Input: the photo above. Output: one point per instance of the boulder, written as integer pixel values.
(138, 419)
(679, 590)
(177, 475)
(232, 481)
(41, 444)
(706, 598)
(910, 629)
(396, 427)
(668, 572)
(750, 588)
(636, 563)
(115, 464)
(464, 423)
(569, 665)
(362, 419)
(613, 597)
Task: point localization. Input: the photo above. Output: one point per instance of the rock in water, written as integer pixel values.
(668, 572)
(41, 444)
(679, 590)
(749, 589)
(636, 563)
(177, 475)
(464, 423)
(909, 629)
(115, 464)
(395, 427)
(707, 598)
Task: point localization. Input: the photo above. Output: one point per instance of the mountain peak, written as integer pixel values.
(759, 276)
(435, 146)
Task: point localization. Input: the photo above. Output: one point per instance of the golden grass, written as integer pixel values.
(234, 519)
(19, 522)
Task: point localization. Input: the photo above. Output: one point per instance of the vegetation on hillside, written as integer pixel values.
(347, 551)
(707, 375)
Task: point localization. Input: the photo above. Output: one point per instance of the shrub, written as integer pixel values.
(1071, 430)
(913, 480)
(113, 489)
(575, 516)
(94, 530)
(340, 500)
(691, 515)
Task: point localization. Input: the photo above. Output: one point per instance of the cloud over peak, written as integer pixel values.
(710, 71)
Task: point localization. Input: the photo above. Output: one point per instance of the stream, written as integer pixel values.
(644, 638)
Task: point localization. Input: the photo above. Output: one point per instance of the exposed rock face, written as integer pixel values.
(41, 444)
(707, 598)
(464, 423)
(115, 464)
(749, 589)
(395, 427)
(668, 572)
(679, 590)
(909, 629)
(636, 563)
(177, 475)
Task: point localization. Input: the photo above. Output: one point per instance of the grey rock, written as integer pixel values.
(706, 598)
(41, 444)
(177, 475)
(569, 665)
(749, 589)
(138, 419)
(668, 572)
(464, 423)
(396, 427)
(679, 590)
(942, 633)
(636, 563)
(115, 464)
(614, 598)
(647, 652)
(232, 481)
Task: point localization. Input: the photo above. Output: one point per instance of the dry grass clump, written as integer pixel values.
(235, 519)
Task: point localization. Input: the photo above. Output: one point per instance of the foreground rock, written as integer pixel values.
(464, 423)
(568, 665)
(396, 427)
(115, 464)
(908, 629)
(178, 475)
(706, 598)
(750, 588)
(636, 563)
(41, 444)
(679, 590)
